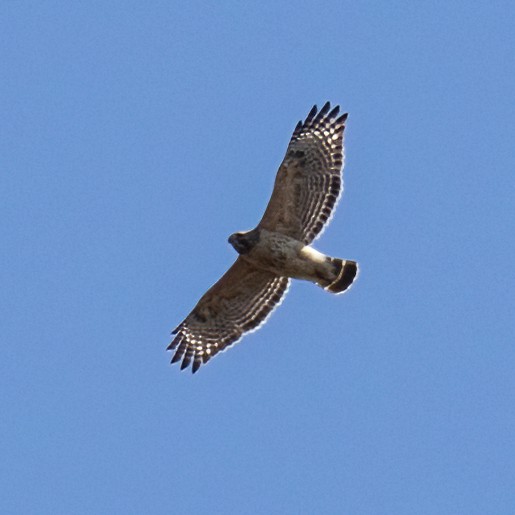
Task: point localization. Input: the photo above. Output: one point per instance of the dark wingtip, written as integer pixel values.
(176, 357)
(298, 129)
(321, 114)
(342, 118)
(311, 115)
(173, 344)
(325, 108)
(334, 112)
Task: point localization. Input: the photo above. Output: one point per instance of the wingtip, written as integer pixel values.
(334, 113)
(342, 118)
(311, 115)
(173, 344)
(322, 113)
(325, 107)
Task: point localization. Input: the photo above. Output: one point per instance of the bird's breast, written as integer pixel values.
(275, 252)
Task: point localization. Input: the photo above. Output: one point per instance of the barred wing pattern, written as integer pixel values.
(309, 183)
(238, 303)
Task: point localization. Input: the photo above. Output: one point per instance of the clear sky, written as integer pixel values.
(135, 137)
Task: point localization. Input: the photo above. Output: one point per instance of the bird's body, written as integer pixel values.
(306, 190)
(285, 256)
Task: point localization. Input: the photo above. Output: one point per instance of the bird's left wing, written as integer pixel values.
(238, 303)
(309, 181)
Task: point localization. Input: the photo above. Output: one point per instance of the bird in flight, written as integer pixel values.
(306, 190)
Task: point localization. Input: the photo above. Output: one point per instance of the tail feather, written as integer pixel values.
(346, 272)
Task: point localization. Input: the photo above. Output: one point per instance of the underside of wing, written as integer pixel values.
(309, 181)
(238, 303)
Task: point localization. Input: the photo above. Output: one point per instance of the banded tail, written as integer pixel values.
(345, 273)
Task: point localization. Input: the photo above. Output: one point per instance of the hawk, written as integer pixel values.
(306, 191)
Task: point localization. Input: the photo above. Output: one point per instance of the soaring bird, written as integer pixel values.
(307, 188)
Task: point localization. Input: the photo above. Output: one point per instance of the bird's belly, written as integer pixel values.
(285, 256)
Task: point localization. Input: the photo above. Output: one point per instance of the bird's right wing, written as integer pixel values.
(238, 303)
(309, 181)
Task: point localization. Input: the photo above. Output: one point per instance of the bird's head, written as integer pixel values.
(243, 242)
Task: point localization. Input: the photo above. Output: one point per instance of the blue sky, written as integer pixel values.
(135, 137)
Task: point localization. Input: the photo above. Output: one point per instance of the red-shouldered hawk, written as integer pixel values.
(307, 188)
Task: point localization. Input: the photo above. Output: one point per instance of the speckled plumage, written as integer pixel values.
(307, 188)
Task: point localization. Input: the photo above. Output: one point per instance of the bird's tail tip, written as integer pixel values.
(347, 272)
